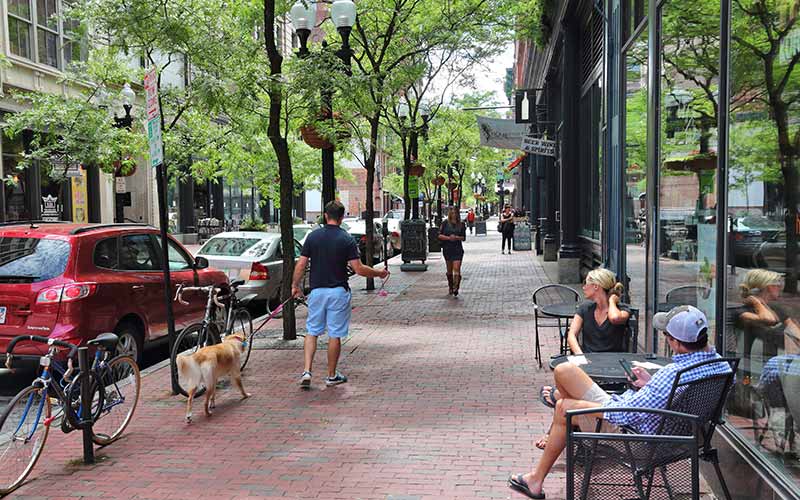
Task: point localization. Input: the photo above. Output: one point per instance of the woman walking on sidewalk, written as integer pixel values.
(507, 228)
(451, 234)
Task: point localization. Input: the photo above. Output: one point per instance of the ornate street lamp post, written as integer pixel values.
(127, 97)
(304, 17)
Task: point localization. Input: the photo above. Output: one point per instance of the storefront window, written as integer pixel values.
(763, 226)
(687, 197)
(15, 180)
(590, 192)
(634, 203)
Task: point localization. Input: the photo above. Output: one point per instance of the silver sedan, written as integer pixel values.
(253, 256)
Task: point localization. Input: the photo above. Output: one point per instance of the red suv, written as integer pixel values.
(75, 281)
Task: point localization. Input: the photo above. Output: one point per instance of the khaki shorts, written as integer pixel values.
(588, 423)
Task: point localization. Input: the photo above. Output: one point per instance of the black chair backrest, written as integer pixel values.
(554, 294)
(687, 294)
(704, 397)
(631, 342)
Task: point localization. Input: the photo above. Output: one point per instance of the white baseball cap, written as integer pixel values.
(684, 323)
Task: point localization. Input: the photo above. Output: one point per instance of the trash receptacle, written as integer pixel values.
(413, 236)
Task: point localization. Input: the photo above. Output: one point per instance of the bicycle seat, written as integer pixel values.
(237, 283)
(107, 341)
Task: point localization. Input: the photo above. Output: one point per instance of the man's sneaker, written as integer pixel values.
(305, 380)
(335, 380)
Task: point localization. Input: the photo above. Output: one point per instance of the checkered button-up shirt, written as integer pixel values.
(655, 394)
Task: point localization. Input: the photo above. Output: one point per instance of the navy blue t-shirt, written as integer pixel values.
(330, 248)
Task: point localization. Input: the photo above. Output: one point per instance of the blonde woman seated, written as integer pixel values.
(767, 319)
(601, 320)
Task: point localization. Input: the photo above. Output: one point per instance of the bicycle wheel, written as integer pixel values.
(121, 384)
(23, 431)
(243, 323)
(189, 341)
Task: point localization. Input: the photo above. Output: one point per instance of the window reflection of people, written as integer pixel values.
(779, 414)
(766, 319)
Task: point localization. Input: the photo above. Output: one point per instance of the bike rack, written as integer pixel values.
(86, 406)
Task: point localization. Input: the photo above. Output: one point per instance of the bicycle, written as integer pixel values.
(25, 423)
(205, 333)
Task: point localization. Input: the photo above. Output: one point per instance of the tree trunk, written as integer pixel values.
(406, 170)
(281, 148)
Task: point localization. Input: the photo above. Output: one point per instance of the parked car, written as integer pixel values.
(253, 256)
(358, 230)
(395, 239)
(748, 233)
(398, 214)
(301, 231)
(73, 282)
(772, 255)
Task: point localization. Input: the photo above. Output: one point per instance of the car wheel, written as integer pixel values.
(130, 341)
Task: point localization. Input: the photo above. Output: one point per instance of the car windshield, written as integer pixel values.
(32, 259)
(756, 222)
(231, 247)
(300, 232)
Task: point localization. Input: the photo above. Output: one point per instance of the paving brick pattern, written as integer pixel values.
(440, 405)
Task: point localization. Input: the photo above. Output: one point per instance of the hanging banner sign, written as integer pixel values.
(80, 200)
(153, 118)
(413, 187)
(537, 146)
(502, 134)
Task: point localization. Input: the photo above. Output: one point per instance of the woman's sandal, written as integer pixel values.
(550, 400)
(518, 484)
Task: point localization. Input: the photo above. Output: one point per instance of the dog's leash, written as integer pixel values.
(271, 315)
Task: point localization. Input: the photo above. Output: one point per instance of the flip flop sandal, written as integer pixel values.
(519, 484)
(550, 401)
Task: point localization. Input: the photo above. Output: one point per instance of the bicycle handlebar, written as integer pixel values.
(73, 349)
(214, 290)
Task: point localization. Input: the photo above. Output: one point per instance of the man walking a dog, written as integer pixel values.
(330, 249)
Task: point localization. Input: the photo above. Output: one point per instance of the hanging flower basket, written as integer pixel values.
(416, 169)
(119, 171)
(316, 140)
(438, 181)
(452, 185)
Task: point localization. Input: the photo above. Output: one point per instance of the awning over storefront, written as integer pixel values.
(514, 164)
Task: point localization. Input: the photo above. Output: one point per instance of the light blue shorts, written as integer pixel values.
(329, 308)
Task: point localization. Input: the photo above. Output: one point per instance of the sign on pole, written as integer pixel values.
(413, 187)
(153, 118)
(538, 146)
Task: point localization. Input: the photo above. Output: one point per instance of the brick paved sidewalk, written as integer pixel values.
(440, 404)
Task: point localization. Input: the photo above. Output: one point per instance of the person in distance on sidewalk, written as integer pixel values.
(451, 234)
(507, 228)
(330, 249)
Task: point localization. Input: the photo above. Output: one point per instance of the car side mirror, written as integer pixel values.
(200, 262)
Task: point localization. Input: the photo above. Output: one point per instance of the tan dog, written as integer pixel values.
(207, 365)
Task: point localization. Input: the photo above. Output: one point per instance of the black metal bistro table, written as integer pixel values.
(561, 311)
(604, 367)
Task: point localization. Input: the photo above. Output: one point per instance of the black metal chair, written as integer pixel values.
(687, 294)
(548, 295)
(665, 465)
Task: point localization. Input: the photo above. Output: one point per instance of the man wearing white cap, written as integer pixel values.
(686, 329)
